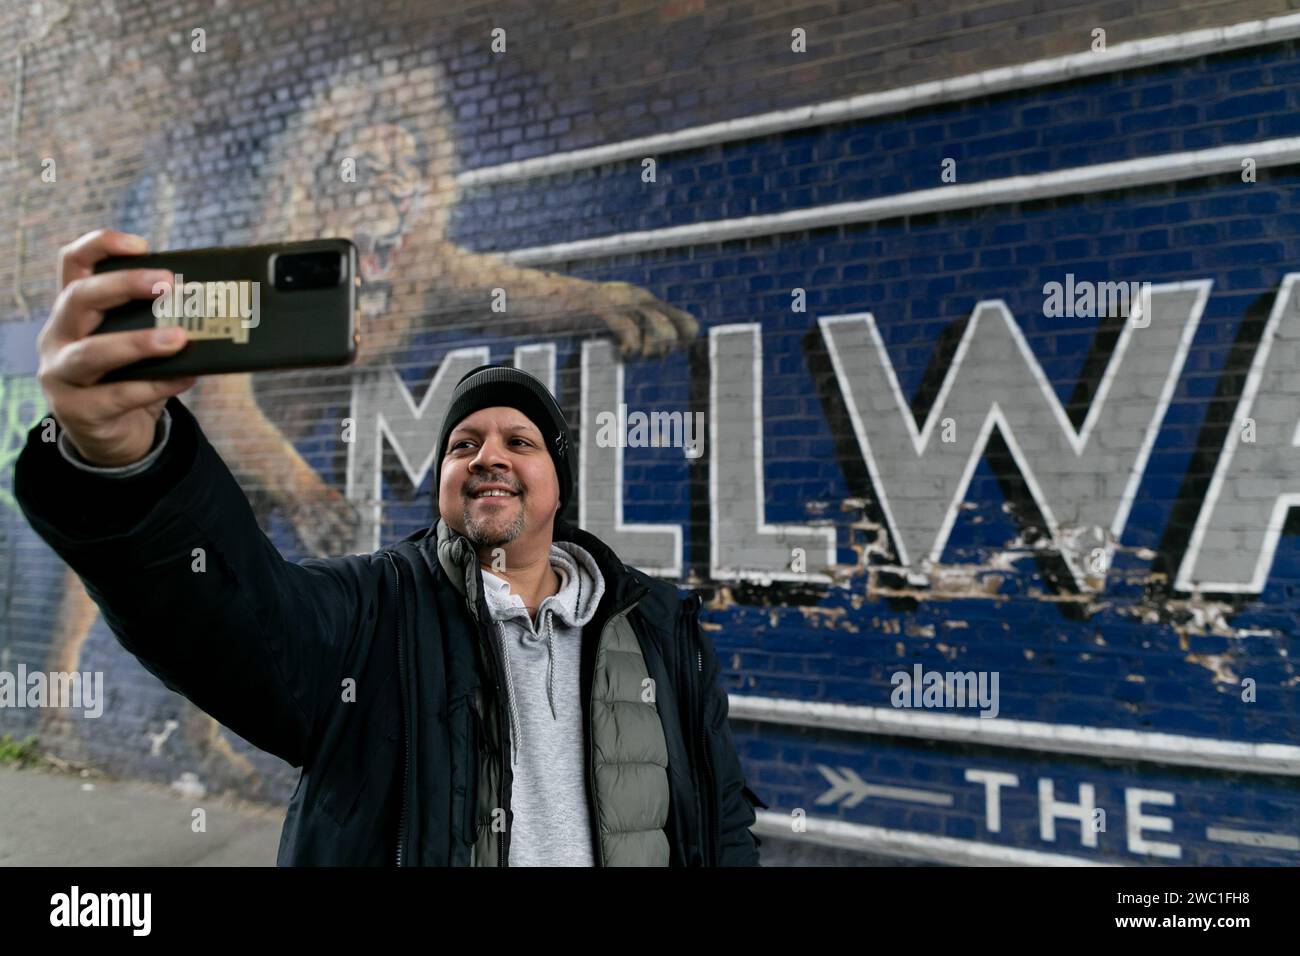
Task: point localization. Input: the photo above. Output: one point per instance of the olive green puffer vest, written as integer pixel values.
(629, 753)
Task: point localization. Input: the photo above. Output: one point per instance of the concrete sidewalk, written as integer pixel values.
(51, 818)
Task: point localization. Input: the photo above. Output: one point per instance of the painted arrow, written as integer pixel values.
(848, 787)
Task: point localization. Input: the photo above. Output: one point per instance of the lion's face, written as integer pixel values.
(386, 156)
(386, 208)
(371, 163)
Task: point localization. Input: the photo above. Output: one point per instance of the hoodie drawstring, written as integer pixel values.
(550, 662)
(515, 727)
(515, 723)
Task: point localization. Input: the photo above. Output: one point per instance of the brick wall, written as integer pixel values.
(1059, 550)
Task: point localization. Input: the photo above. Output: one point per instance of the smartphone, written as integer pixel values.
(246, 308)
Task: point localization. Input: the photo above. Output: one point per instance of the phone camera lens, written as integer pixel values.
(299, 272)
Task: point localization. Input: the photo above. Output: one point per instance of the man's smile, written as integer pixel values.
(492, 492)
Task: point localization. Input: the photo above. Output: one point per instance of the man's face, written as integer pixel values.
(498, 448)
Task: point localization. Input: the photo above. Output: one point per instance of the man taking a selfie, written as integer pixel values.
(495, 690)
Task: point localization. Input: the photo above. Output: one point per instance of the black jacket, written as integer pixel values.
(267, 646)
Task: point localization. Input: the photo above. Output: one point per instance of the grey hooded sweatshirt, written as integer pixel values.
(552, 822)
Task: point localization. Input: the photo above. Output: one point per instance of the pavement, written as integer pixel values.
(57, 818)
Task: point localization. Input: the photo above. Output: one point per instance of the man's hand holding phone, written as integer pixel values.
(111, 423)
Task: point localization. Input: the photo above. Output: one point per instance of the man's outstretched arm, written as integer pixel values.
(172, 554)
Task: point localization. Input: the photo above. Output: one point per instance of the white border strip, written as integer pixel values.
(912, 846)
(1170, 749)
(1122, 56)
(1272, 841)
(1124, 174)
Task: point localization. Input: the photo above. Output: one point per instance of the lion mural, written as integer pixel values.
(396, 136)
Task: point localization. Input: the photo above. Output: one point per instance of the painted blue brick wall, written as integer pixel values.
(1127, 664)
(1134, 658)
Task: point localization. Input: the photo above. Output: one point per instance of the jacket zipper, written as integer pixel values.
(705, 764)
(709, 820)
(406, 736)
(591, 771)
(503, 732)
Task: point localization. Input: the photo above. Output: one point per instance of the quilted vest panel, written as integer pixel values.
(629, 753)
(629, 757)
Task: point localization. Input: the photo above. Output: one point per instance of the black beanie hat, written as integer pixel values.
(490, 385)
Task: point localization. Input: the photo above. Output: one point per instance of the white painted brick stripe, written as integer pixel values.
(1122, 56)
(1144, 171)
(1274, 841)
(1168, 749)
(912, 846)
